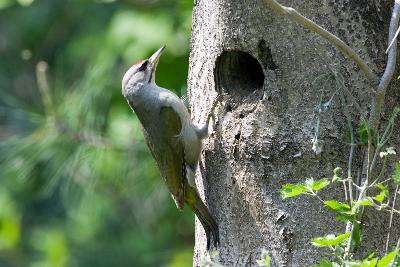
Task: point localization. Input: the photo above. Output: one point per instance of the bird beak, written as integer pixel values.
(155, 57)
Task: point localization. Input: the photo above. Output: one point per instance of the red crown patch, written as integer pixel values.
(138, 63)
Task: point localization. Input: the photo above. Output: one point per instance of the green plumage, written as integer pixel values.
(168, 151)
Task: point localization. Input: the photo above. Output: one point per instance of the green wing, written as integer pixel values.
(167, 150)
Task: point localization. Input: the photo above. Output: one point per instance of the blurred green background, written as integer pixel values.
(78, 186)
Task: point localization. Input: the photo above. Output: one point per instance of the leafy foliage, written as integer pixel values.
(396, 175)
(308, 187)
(384, 192)
(341, 245)
(343, 211)
(370, 261)
(330, 240)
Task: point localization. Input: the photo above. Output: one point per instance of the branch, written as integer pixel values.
(331, 38)
(44, 88)
(378, 99)
(349, 245)
(394, 39)
(389, 71)
(391, 219)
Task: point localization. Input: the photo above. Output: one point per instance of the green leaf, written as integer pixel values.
(362, 133)
(10, 221)
(383, 194)
(335, 178)
(330, 240)
(337, 206)
(338, 171)
(309, 186)
(337, 174)
(356, 240)
(396, 175)
(388, 259)
(320, 184)
(292, 190)
(380, 197)
(342, 210)
(370, 256)
(180, 258)
(369, 263)
(265, 260)
(345, 216)
(382, 187)
(309, 183)
(364, 202)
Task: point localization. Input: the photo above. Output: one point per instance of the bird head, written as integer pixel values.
(141, 73)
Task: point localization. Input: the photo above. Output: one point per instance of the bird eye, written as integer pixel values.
(143, 66)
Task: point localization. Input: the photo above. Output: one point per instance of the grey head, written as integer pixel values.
(140, 75)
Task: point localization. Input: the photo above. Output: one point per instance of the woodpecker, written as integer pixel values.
(174, 141)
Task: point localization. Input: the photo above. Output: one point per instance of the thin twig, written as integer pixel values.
(318, 197)
(394, 211)
(394, 39)
(374, 119)
(391, 220)
(331, 38)
(351, 153)
(385, 138)
(350, 96)
(44, 88)
(376, 181)
(318, 110)
(382, 172)
(356, 185)
(339, 87)
(362, 194)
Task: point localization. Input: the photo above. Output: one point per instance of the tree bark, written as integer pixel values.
(267, 67)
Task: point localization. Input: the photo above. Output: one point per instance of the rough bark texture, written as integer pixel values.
(266, 66)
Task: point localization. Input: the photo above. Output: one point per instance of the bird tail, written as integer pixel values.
(207, 221)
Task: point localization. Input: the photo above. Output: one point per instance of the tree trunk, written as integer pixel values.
(267, 66)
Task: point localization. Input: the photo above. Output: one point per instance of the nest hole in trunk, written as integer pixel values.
(238, 73)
